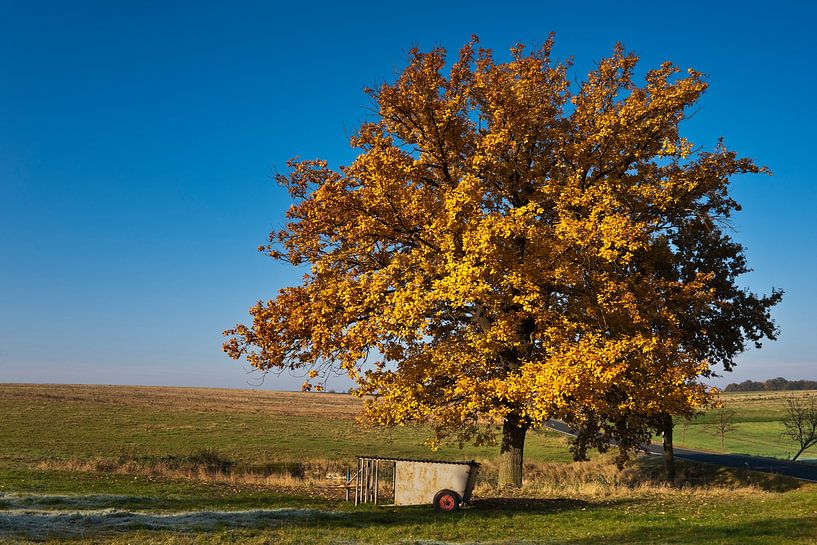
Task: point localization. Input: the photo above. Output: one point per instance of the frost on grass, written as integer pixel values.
(20, 518)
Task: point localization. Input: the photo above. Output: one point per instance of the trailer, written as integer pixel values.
(446, 485)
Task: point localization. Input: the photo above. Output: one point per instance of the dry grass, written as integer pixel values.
(749, 397)
(265, 402)
(596, 479)
(324, 477)
(600, 478)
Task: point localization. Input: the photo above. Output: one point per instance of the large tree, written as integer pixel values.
(510, 247)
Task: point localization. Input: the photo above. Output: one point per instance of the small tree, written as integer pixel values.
(685, 422)
(724, 423)
(800, 423)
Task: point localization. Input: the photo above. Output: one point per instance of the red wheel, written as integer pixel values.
(446, 501)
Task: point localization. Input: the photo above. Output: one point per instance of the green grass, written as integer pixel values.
(47, 423)
(757, 427)
(116, 422)
(675, 518)
(145, 493)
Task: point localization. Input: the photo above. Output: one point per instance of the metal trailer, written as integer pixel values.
(446, 485)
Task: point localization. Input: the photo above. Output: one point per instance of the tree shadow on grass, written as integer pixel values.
(705, 475)
(483, 508)
(740, 532)
(527, 505)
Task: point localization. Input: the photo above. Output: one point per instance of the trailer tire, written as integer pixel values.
(447, 501)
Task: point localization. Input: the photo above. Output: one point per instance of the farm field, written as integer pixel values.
(757, 427)
(105, 464)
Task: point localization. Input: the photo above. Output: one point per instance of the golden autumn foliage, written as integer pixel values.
(511, 246)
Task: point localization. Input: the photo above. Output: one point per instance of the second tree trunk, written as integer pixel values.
(669, 455)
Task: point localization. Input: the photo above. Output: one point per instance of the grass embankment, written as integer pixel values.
(175, 465)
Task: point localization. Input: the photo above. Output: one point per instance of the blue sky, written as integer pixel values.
(138, 140)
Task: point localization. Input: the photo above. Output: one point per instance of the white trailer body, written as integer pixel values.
(446, 485)
(416, 483)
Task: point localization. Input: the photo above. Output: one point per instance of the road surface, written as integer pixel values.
(798, 470)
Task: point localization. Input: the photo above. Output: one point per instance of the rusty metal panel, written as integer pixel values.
(416, 483)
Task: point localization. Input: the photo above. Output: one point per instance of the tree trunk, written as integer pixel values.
(799, 452)
(669, 455)
(510, 454)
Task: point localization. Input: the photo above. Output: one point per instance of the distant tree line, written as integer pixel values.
(771, 385)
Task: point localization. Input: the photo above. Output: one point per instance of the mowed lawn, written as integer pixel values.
(47, 495)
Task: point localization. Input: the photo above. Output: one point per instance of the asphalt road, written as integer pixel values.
(805, 472)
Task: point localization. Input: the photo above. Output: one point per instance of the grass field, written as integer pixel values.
(117, 465)
(757, 427)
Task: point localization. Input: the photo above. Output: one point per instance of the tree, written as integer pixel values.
(800, 422)
(775, 384)
(723, 424)
(685, 423)
(511, 247)
(745, 386)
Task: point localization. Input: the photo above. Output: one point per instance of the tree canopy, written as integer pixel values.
(513, 247)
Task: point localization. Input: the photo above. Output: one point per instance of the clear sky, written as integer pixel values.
(138, 140)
